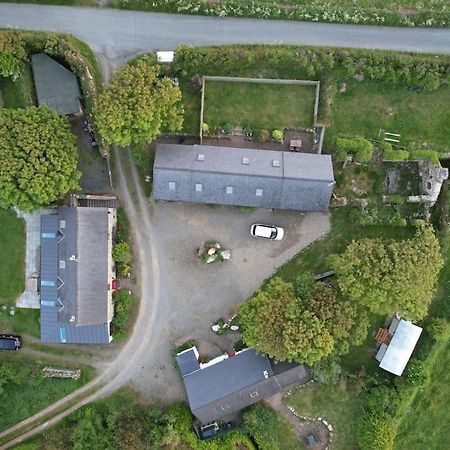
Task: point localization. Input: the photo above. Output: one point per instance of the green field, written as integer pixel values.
(337, 403)
(12, 256)
(19, 93)
(427, 428)
(30, 391)
(269, 106)
(421, 118)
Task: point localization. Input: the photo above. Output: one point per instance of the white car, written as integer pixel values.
(267, 231)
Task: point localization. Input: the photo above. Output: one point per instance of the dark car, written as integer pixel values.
(8, 342)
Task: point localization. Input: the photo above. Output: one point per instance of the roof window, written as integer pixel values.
(200, 157)
(198, 187)
(229, 189)
(245, 161)
(276, 163)
(259, 192)
(172, 185)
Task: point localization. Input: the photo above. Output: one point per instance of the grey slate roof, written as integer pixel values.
(232, 176)
(217, 390)
(74, 276)
(56, 86)
(187, 361)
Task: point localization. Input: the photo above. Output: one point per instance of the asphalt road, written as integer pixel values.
(121, 34)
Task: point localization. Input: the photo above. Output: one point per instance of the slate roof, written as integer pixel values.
(217, 389)
(247, 177)
(56, 86)
(394, 356)
(75, 276)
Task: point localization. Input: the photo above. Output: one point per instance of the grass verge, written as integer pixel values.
(12, 256)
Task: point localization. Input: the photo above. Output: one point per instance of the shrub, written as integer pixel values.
(395, 155)
(382, 399)
(205, 128)
(228, 128)
(439, 329)
(122, 301)
(304, 285)
(263, 135)
(425, 154)
(416, 373)
(261, 423)
(122, 253)
(277, 135)
(361, 148)
(375, 432)
(12, 54)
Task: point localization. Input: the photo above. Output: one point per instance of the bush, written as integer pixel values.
(375, 432)
(122, 253)
(439, 329)
(395, 155)
(432, 155)
(361, 148)
(416, 373)
(228, 128)
(382, 399)
(205, 128)
(304, 285)
(12, 54)
(261, 423)
(122, 301)
(277, 135)
(263, 135)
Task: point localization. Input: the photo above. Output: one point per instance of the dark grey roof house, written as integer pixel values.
(246, 177)
(76, 275)
(230, 383)
(56, 86)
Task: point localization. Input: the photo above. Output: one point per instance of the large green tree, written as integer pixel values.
(38, 157)
(274, 321)
(138, 104)
(388, 276)
(346, 322)
(12, 54)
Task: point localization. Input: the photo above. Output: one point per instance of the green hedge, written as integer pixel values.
(395, 155)
(432, 155)
(319, 12)
(397, 69)
(123, 301)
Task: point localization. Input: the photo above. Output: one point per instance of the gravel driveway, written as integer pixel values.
(193, 295)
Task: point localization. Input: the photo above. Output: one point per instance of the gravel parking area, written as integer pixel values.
(193, 295)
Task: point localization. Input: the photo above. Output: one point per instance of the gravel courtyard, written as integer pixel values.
(193, 295)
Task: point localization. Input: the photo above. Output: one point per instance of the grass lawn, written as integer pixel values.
(12, 256)
(286, 437)
(24, 321)
(337, 403)
(419, 117)
(270, 106)
(19, 93)
(33, 392)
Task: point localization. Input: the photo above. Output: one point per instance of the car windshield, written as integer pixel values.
(273, 235)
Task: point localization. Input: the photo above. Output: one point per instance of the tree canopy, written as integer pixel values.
(12, 54)
(138, 104)
(274, 321)
(39, 158)
(388, 276)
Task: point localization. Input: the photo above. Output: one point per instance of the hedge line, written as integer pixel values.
(324, 12)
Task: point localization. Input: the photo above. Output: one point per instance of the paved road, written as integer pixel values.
(120, 34)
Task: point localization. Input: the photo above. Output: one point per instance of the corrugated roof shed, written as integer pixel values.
(218, 389)
(56, 86)
(74, 276)
(247, 177)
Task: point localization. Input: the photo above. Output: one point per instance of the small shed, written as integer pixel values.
(395, 354)
(56, 86)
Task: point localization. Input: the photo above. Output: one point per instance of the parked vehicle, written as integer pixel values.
(267, 231)
(8, 342)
